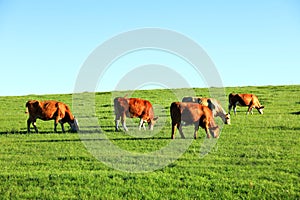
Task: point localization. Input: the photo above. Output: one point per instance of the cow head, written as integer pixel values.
(151, 123)
(74, 125)
(227, 118)
(214, 131)
(260, 109)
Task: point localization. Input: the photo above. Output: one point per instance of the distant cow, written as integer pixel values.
(193, 113)
(192, 99)
(249, 100)
(133, 107)
(213, 104)
(50, 110)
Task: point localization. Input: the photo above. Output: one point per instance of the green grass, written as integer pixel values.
(256, 157)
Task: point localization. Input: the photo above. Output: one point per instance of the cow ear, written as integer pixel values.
(155, 118)
(262, 107)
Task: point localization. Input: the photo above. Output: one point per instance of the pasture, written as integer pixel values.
(256, 157)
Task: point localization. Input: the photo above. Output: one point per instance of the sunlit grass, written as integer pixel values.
(256, 157)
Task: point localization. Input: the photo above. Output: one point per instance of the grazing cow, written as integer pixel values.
(133, 107)
(50, 110)
(213, 104)
(249, 100)
(193, 113)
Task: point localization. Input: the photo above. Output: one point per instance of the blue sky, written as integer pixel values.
(43, 44)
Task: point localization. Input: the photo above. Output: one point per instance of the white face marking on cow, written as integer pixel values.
(74, 125)
(260, 110)
(227, 118)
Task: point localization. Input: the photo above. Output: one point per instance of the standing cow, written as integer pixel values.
(213, 104)
(249, 100)
(50, 110)
(193, 113)
(132, 108)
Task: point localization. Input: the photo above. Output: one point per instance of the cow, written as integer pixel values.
(213, 104)
(193, 113)
(249, 100)
(133, 108)
(50, 110)
(191, 99)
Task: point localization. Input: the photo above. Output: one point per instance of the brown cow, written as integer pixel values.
(213, 104)
(249, 100)
(50, 110)
(133, 107)
(193, 113)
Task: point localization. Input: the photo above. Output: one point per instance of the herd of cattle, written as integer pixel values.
(195, 111)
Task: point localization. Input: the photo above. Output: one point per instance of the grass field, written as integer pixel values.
(256, 157)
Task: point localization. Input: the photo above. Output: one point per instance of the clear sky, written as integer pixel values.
(43, 44)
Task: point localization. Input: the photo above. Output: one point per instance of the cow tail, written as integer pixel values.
(229, 97)
(116, 102)
(175, 112)
(27, 104)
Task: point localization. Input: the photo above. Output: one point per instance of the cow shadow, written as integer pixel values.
(295, 113)
(97, 139)
(12, 132)
(23, 132)
(284, 128)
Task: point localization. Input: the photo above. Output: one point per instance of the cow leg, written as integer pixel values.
(250, 109)
(34, 126)
(55, 125)
(180, 130)
(206, 128)
(56, 121)
(142, 124)
(117, 122)
(123, 120)
(124, 125)
(174, 126)
(62, 127)
(207, 132)
(28, 125)
(196, 130)
(33, 122)
(234, 109)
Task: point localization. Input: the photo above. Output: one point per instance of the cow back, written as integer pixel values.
(188, 112)
(50, 109)
(243, 99)
(134, 107)
(141, 108)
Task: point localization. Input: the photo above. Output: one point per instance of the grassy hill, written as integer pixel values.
(256, 157)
